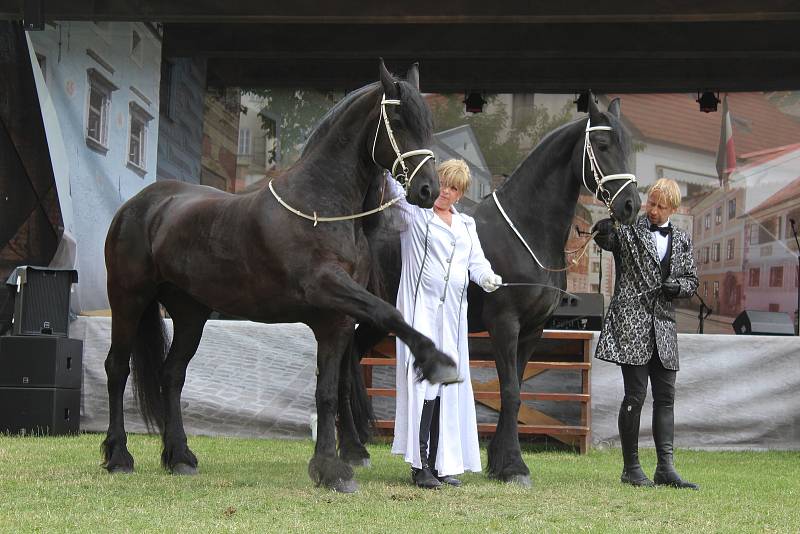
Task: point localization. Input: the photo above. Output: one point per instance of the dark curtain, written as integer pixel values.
(30, 215)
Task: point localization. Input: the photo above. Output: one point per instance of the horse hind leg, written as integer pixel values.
(333, 333)
(124, 326)
(351, 445)
(189, 318)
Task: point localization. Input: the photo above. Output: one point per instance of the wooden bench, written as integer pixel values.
(558, 350)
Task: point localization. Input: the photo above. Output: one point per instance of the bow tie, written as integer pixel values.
(663, 230)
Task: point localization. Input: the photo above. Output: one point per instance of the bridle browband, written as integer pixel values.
(601, 193)
(401, 156)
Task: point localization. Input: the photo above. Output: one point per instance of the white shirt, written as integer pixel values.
(661, 241)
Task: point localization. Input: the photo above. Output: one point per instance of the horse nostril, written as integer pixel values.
(425, 192)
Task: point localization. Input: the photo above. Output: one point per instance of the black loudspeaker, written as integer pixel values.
(40, 411)
(581, 311)
(40, 384)
(41, 362)
(761, 323)
(41, 300)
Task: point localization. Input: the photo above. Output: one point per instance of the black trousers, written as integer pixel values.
(635, 378)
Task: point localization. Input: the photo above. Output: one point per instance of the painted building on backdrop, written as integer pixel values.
(103, 78)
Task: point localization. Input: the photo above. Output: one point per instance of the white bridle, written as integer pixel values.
(601, 192)
(404, 178)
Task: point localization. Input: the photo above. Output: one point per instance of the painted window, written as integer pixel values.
(729, 250)
(137, 137)
(776, 276)
(99, 102)
(244, 142)
(755, 275)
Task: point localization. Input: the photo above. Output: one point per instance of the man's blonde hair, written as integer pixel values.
(455, 173)
(669, 188)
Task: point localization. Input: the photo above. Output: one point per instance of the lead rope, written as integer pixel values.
(572, 262)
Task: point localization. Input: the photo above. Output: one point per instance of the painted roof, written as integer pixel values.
(790, 192)
(675, 118)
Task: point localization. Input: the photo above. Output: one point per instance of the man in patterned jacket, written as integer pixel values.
(654, 265)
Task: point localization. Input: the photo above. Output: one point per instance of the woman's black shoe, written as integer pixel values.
(423, 478)
(450, 481)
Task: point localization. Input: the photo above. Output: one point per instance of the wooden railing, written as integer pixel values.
(560, 350)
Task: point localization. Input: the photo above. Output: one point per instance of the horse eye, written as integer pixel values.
(602, 147)
(396, 123)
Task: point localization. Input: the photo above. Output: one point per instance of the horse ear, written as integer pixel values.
(388, 82)
(413, 75)
(614, 107)
(594, 113)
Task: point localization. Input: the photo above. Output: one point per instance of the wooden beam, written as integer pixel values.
(412, 11)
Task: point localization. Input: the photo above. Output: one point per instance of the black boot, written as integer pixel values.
(423, 477)
(434, 448)
(663, 434)
(628, 423)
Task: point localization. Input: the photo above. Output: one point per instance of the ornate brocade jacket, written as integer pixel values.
(640, 318)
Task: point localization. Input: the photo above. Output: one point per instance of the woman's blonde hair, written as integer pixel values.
(669, 188)
(455, 173)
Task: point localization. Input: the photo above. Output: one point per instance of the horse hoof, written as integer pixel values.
(360, 462)
(444, 375)
(520, 480)
(120, 469)
(345, 486)
(184, 469)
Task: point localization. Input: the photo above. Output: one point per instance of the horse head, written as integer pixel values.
(403, 136)
(606, 148)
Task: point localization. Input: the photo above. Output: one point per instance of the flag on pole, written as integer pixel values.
(726, 154)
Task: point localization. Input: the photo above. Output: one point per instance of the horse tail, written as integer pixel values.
(149, 350)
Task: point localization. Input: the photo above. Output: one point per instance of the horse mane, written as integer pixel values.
(619, 130)
(412, 107)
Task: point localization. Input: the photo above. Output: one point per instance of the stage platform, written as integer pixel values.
(255, 380)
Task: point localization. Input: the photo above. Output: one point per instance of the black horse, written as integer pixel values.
(195, 249)
(539, 198)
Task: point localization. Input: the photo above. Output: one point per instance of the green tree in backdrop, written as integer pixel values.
(504, 144)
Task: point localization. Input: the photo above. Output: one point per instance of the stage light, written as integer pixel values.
(582, 101)
(474, 102)
(708, 101)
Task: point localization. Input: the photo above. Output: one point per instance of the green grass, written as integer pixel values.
(57, 485)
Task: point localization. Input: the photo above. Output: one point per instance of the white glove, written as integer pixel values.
(491, 282)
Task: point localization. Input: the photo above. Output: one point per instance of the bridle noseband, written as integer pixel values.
(601, 192)
(404, 178)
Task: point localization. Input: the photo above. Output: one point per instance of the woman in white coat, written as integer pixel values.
(440, 254)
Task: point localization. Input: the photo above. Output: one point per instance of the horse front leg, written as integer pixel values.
(335, 290)
(333, 334)
(504, 453)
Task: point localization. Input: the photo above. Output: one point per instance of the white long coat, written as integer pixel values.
(433, 298)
